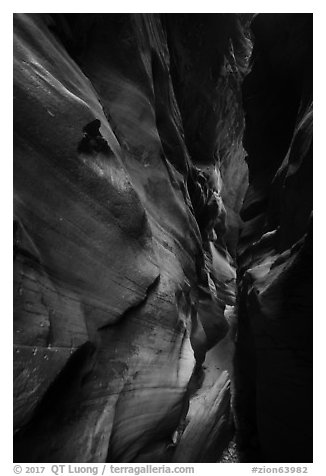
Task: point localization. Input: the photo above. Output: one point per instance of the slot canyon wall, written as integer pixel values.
(274, 347)
(162, 249)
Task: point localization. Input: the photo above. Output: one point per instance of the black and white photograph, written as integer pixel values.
(162, 241)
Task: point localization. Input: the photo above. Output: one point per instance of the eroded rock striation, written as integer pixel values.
(130, 228)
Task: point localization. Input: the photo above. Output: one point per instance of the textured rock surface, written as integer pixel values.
(121, 270)
(274, 350)
(140, 238)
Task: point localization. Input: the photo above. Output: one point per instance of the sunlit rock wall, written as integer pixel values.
(125, 230)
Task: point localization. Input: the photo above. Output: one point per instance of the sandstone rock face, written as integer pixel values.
(274, 349)
(142, 236)
(123, 266)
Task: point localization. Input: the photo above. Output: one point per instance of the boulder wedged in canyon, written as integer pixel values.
(274, 347)
(140, 239)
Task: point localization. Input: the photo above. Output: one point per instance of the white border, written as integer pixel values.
(6, 190)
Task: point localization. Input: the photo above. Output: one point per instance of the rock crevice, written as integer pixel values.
(149, 244)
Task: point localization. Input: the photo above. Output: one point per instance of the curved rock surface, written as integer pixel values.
(121, 271)
(134, 253)
(274, 351)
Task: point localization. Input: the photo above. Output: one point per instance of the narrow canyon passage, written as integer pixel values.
(162, 237)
